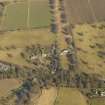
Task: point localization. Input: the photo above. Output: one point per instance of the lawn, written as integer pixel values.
(26, 14)
(89, 40)
(70, 96)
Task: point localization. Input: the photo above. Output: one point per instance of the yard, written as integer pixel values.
(26, 14)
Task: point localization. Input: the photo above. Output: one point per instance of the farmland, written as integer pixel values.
(87, 39)
(20, 40)
(57, 59)
(97, 101)
(69, 96)
(26, 14)
(85, 11)
(6, 86)
(48, 96)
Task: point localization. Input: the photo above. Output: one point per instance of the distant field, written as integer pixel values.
(85, 11)
(69, 96)
(89, 41)
(27, 14)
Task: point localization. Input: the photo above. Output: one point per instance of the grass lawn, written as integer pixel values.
(69, 96)
(20, 40)
(88, 40)
(27, 14)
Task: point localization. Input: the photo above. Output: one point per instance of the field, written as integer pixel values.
(85, 11)
(69, 96)
(20, 40)
(97, 101)
(90, 42)
(7, 85)
(27, 14)
(48, 96)
(39, 13)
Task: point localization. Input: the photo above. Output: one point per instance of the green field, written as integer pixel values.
(29, 14)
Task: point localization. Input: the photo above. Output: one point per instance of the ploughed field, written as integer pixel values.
(26, 14)
(85, 11)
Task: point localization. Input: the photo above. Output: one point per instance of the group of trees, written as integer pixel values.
(35, 54)
(54, 57)
(8, 71)
(23, 93)
(54, 27)
(89, 81)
